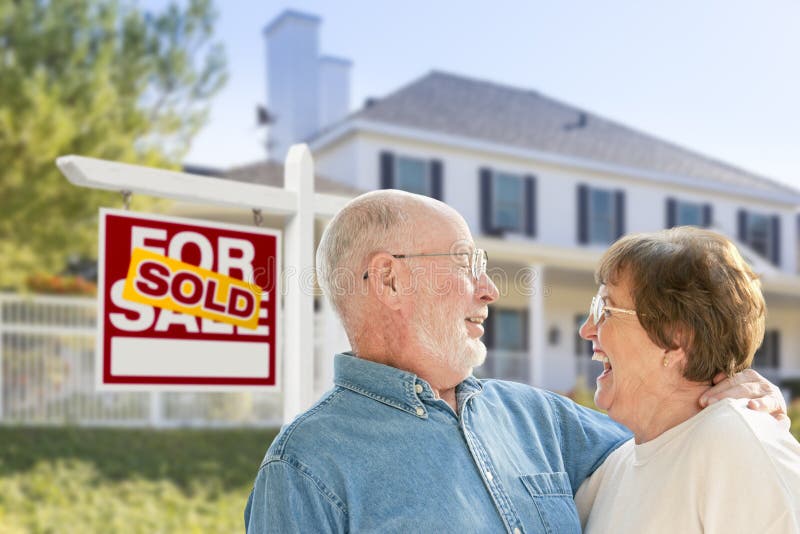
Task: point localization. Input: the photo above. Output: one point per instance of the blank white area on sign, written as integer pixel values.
(135, 356)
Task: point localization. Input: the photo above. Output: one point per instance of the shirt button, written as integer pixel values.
(517, 530)
(489, 476)
(418, 388)
(420, 411)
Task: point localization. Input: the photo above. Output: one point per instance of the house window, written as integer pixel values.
(601, 215)
(506, 337)
(683, 213)
(585, 368)
(583, 347)
(758, 236)
(761, 233)
(411, 174)
(508, 203)
(415, 175)
(768, 354)
(509, 330)
(689, 214)
(797, 245)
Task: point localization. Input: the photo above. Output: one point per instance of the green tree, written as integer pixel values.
(100, 78)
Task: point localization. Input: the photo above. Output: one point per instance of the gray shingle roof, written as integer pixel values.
(451, 104)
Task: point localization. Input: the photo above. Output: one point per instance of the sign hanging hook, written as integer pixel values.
(126, 199)
(258, 219)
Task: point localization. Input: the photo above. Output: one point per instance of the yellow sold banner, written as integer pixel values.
(167, 283)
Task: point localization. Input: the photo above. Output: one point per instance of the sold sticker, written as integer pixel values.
(174, 285)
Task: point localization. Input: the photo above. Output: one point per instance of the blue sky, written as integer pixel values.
(719, 76)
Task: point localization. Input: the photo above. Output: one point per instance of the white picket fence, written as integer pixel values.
(47, 376)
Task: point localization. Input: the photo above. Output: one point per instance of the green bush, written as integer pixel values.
(119, 480)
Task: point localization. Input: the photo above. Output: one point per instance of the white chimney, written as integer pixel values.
(305, 92)
(292, 79)
(334, 89)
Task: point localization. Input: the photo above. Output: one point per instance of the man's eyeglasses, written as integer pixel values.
(478, 259)
(599, 310)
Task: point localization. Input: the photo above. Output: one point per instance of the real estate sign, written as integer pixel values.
(186, 304)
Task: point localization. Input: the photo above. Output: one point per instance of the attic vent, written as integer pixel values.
(583, 119)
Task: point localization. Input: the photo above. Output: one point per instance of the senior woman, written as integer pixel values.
(674, 309)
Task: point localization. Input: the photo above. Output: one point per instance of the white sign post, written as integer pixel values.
(297, 201)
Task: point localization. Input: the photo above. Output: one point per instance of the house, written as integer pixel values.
(546, 187)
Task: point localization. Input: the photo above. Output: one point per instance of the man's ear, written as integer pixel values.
(383, 279)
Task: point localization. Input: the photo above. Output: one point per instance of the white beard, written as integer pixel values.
(441, 331)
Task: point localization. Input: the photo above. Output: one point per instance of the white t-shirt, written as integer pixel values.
(728, 469)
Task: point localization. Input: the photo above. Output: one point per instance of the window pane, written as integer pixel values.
(507, 217)
(508, 330)
(509, 202)
(759, 234)
(601, 216)
(585, 367)
(412, 175)
(689, 213)
(508, 187)
(766, 356)
(583, 347)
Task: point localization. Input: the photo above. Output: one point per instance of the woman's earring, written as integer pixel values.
(666, 361)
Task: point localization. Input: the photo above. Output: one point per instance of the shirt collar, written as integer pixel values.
(391, 386)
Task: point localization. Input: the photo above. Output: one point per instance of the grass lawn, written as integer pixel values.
(84, 480)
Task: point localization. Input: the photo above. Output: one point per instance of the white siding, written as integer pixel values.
(556, 192)
(355, 159)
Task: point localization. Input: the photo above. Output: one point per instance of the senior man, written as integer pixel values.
(407, 440)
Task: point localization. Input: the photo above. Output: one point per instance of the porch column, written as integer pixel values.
(536, 322)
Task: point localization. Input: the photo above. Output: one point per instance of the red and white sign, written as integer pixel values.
(186, 304)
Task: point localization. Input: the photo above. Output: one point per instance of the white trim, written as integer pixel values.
(690, 182)
(115, 176)
(536, 329)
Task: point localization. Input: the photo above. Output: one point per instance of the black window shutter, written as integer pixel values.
(387, 170)
(708, 215)
(530, 205)
(583, 214)
(436, 179)
(486, 202)
(488, 332)
(672, 212)
(620, 206)
(776, 240)
(741, 227)
(776, 348)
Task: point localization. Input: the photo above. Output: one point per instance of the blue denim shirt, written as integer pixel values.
(378, 453)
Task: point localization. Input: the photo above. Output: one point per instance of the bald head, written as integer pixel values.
(387, 220)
